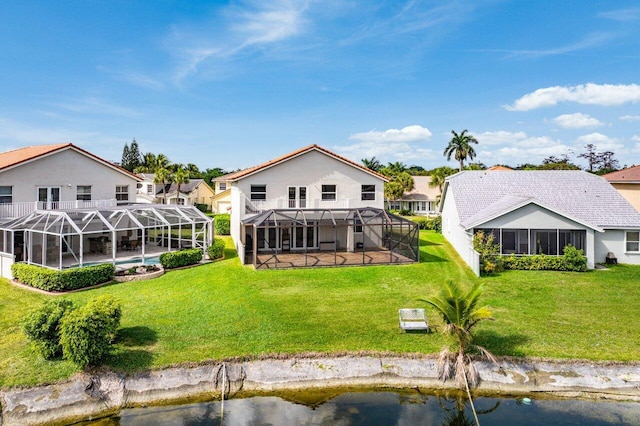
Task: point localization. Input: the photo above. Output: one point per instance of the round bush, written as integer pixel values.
(42, 326)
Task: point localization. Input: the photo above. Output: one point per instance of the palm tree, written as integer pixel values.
(180, 177)
(372, 164)
(439, 175)
(161, 176)
(400, 183)
(460, 313)
(460, 147)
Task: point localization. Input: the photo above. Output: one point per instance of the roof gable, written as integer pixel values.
(579, 196)
(628, 175)
(234, 177)
(17, 157)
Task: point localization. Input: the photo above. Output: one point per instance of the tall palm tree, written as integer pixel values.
(180, 177)
(439, 175)
(372, 164)
(460, 147)
(460, 313)
(161, 176)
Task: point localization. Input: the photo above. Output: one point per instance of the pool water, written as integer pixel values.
(134, 260)
(383, 408)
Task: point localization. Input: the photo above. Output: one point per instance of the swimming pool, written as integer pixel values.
(131, 261)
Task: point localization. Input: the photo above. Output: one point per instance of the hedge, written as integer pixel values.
(64, 280)
(432, 223)
(572, 260)
(176, 259)
(222, 224)
(216, 250)
(42, 326)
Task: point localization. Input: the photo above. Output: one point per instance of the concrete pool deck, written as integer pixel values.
(92, 396)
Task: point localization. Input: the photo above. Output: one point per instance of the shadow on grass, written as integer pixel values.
(427, 257)
(137, 336)
(501, 344)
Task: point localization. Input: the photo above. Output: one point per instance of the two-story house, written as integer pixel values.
(60, 176)
(312, 202)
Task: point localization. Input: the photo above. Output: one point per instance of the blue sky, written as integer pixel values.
(234, 84)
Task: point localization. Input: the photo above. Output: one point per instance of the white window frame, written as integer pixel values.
(324, 193)
(364, 194)
(122, 192)
(150, 188)
(8, 195)
(222, 186)
(80, 195)
(634, 241)
(257, 194)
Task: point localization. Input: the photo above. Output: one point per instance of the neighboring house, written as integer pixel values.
(627, 182)
(313, 200)
(196, 191)
(221, 201)
(421, 200)
(60, 176)
(499, 169)
(531, 212)
(146, 189)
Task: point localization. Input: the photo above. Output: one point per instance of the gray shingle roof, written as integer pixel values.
(581, 196)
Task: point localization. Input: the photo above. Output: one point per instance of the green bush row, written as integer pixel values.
(431, 223)
(572, 260)
(216, 250)
(64, 280)
(83, 335)
(176, 259)
(222, 224)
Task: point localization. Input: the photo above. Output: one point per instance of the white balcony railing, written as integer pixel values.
(14, 210)
(258, 206)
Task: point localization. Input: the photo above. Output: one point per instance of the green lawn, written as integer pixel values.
(223, 310)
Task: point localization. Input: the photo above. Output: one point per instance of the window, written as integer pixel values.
(328, 192)
(149, 188)
(368, 192)
(83, 193)
(357, 226)
(258, 192)
(122, 192)
(633, 241)
(222, 186)
(6, 194)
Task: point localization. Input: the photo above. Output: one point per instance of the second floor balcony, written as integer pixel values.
(15, 210)
(259, 206)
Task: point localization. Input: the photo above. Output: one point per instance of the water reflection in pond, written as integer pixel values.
(383, 408)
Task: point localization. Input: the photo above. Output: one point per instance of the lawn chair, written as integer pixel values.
(413, 320)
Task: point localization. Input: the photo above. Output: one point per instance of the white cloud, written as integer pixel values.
(520, 149)
(601, 142)
(630, 118)
(92, 105)
(586, 94)
(389, 145)
(630, 14)
(577, 121)
(635, 138)
(500, 137)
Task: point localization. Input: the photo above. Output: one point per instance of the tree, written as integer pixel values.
(400, 183)
(591, 156)
(460, 147)
(194, 172)
(460, 312)
(607, 163)
(180, 177)
(162, 176)
(392, 169)
(131, 158)
(211, 174)
(439, 175)
(372, 164)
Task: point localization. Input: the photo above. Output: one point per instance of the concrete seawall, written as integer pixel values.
(86, 396)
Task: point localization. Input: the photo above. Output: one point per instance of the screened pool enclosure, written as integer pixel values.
(65, 238)
(290, 238)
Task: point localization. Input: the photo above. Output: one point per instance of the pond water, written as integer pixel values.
(382, 408)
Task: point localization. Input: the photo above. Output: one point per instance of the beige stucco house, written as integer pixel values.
(627, 183)
(60, 176)
(422, 200)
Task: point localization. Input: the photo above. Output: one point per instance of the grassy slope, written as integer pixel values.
(223, 309)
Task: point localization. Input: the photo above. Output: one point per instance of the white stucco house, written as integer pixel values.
(60, 176)
(532, 212)
(312, 201)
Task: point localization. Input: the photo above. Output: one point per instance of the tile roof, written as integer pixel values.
(246, 172)
(22, 155)
(421, 191)
(500, 168)
(628, 175)
(580, 196)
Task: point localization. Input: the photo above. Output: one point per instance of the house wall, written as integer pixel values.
(311, 170)
(631, 192)
(62, 169)
(613, 240)
(460, 239)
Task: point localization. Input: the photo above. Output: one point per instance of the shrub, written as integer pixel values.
(176, 259)
(42, 326)
(216, 250)
(435, 223)
(489, 250)
(87, 332)
(421, 222)
(64, 280)
(222, 224)
(572, 260)
(202, 207)
(406, 212)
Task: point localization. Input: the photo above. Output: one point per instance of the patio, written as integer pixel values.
(124, 235)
